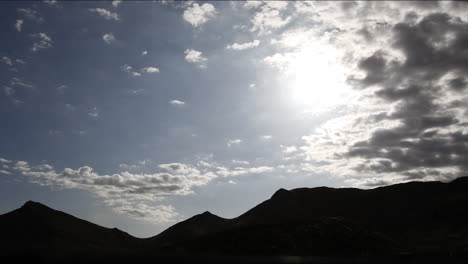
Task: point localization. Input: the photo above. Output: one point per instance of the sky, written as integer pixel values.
(138, 115)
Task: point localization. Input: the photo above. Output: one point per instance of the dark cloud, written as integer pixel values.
(435, 47)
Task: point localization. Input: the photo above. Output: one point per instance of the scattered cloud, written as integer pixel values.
(8, 90)
(116, 3)
(7, 61)
(267, 137)
(50, 2)
(129, 69)
(177, 103)
(145, 52)
(15, 81)
(289, 149)
(93, 113)
(269, 17)
(150, 70)
(19, 24)
(31, 14)
(199, 14)
(61, 89)
(194, 56)
(105, 13)
(108, 38)
(42, 41)
(233, 142)
(243, 46)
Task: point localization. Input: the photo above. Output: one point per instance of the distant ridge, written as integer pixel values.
(415, 218)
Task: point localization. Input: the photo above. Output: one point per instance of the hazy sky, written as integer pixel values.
(142, 114)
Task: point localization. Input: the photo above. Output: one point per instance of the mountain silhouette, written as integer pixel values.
(36, 229)
(410, 220)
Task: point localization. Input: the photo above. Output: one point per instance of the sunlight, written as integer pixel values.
(317, 79)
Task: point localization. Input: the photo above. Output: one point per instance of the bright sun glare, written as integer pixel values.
(317, 78)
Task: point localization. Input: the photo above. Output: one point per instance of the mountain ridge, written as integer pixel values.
(319, 221)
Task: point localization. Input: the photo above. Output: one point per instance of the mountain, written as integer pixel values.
(409, 220)
(408, 217)
(35, 229)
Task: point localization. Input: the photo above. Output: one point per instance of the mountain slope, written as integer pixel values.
(409, 216)
(417, 217)
(38, 229)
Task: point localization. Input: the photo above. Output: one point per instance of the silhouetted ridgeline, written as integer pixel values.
(415, 222)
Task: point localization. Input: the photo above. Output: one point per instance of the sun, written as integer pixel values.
(317, 78)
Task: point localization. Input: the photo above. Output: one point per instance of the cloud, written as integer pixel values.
(108, 38)
(150, 70)
(15, 81)
(30, 14)
(199, 14)
(408, 122)
(233, 142)
(50, 2)
(127, 193)
(429, 134)
(105, 13)
(61, 89)
(247, 45)
(267, 137)
(194, 56)
(239, 171)
(129, 69)
(7, 61)
(289, 149)
(269, 17)
(93, 113)
(145, 52)
(42, 41)
(8, 90)
(19, 24)
(116, 3)
(177, 103)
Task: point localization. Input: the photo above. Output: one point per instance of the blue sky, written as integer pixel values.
(141, 114)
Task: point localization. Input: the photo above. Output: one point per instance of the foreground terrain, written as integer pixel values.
(412, 223)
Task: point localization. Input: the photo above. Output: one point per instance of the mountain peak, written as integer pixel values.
(281, 193)
(33, 204)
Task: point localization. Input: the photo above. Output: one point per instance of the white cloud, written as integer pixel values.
(105, 13)
(150, 70)
(145, 52)
(19, 24)
(223, 171)
(116, 3)
(289, 149)
(269, 18)
(42, 41)
(50, 2)
(30, 14)
(177, 102)
(132, 194)
(61, 89)
(18, 82)
(70, 107)
(194, 56)
(93, 113)
(252, 4)
(108, 38)
(243, 46)
(233, 142)
(3, 160)
(267, 137)
(8, 90)
(129, 69)
(7, 61)
(198, 15)
(243, 162)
